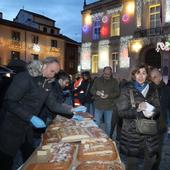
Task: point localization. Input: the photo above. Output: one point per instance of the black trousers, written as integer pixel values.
(26, 150)
(133, 163)
(6, 161)
(159, 156)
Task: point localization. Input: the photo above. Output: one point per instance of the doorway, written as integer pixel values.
(153, 58)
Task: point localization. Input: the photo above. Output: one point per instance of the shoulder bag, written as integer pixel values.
(144, 126)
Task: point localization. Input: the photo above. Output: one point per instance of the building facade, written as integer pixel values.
(37, 21)
(123, 33)
(33, 36)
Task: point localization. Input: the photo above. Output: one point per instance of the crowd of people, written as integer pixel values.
(42, 90)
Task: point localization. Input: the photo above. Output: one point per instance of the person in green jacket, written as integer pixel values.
(105, 90)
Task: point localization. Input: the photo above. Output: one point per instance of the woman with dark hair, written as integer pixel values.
(138, 100)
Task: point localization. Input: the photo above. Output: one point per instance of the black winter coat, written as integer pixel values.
(131, 142)
(25, 98)
(45, 112)
(164, 97)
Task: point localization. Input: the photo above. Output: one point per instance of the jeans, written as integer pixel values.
(104, 117)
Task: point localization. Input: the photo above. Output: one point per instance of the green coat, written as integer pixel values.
(110, 87)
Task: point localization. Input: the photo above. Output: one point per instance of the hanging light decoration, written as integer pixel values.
(163, 46)
(136, 46)
(87, 23)
(88, 19)
(104, 30)
(105, 19)
(86, 28)
(125, 18)
(129, 10)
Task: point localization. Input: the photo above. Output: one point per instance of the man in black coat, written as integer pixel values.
(164, 97)
(61, 80)
(27, 94)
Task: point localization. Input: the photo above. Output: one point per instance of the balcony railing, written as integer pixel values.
(152, 32)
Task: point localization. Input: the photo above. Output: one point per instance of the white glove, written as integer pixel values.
(148, 114)
(149, 110)
(149, 107)
(141, 107)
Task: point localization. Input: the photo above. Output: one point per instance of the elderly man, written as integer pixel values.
(164, 96)
(105, 89)
(27, 94)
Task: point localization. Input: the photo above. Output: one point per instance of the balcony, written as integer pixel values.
(158, 31)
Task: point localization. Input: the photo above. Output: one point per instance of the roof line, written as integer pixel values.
(31, 29)
(35, 14)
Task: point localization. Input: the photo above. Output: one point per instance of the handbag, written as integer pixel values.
(144, 126)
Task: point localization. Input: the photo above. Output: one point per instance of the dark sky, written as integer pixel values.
(66, 13)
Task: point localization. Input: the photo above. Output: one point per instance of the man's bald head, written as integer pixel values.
(156, 76)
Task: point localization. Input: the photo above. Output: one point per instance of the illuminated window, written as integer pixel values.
(154, 13)
(15, 36)
(94, 63)
(115, 61)
(115, 25)
(35, 39)
(96, 29)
